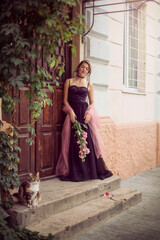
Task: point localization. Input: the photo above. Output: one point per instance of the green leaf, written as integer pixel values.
(13, 81)
(82, 17)
(52, 62)
(73, 29)
(30, 141)
(73, 49)
(50, 88)
(16, 61)
(19, 83)
(57, 83)
(49, 102)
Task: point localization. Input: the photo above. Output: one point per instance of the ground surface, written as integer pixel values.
(141, 222)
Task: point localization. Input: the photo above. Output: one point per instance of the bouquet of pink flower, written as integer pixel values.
(81, 136)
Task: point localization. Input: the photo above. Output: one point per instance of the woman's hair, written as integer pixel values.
(89, 65)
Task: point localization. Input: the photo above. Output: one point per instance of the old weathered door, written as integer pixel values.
(48, 130)
(49, 126)
(42, 156)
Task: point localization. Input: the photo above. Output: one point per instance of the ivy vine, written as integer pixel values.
(8, 166)
(29, 32)
(21, 233)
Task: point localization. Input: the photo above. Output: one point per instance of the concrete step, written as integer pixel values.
(73, 222)
(58, 196)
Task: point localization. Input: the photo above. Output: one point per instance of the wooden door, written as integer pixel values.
(48, 130)
(42, 156)
(21, 119)
(49, 126)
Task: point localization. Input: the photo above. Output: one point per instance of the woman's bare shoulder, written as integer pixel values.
(68, 80)
(90, 85)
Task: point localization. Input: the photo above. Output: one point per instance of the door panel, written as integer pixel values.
(42, 156)
(24, 155)
(48, 138)
(22, 117)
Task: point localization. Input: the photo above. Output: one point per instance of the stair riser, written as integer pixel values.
(48, 209)
(82, 227)
(137, 198)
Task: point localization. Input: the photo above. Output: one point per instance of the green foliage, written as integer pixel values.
(21, 233)
(81, 139)
(31, 31)
(8, 167)
(78, 129)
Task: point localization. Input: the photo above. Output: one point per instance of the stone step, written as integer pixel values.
(73, 222)
(58, 196)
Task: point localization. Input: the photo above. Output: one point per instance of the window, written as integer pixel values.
(135, 48)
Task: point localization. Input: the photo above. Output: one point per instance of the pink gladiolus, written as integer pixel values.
(82, 138)
(84, 134)
(81, 141)
(87, 151)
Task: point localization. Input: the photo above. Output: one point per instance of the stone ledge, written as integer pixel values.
(58, 196)
(76, 221)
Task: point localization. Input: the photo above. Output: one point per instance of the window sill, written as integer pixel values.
(132, 91)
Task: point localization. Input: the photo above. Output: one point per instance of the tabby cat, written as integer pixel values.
(28, 193)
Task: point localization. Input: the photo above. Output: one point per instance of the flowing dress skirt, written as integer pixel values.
(91, 168)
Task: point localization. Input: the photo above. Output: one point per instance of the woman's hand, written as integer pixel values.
(87, 118)
(72, 116)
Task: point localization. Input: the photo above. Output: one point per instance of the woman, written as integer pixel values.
(70, 166)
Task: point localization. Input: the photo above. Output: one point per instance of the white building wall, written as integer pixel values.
(116, 41)
(97, 52)
(104, 47)
(158, 68)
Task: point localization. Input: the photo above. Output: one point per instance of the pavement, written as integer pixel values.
(141, 222)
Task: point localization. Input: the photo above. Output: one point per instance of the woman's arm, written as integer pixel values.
(91, 101)
(65, 100)
(91, 93)
(65, 92)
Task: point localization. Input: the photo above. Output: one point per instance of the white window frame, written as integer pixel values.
(139, 80)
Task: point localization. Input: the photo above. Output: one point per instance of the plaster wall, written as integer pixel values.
(104, 48)
(97, 51)
(130, 148)
(127, 106)
(129, 127)
(158, 70)
(158, 146)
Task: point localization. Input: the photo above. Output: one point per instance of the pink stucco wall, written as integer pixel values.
(158, 145)
(130, 148)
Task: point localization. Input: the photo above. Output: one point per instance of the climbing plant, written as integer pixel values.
(8, 167)
(31, 30)
(20, 233)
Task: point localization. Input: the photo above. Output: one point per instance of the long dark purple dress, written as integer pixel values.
(92, 168)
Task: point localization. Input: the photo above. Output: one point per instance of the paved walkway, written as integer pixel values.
(141, 222)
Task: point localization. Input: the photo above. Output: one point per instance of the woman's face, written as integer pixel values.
(83, 70)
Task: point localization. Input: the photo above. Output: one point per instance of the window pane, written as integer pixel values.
(135, 47)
